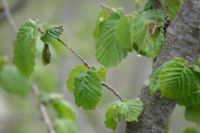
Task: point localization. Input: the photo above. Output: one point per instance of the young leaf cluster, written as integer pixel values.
(128, 110)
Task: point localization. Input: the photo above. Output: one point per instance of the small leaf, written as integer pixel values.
(88, 89)
(102, 73)
(192, 114)
(148, 5)
(3, 61)
(65, 126)
(46, 54)
(52, 34)
(64, 109)
(128, 110)
(112, 116)
(25, 49)
(45, 78)
(173, 6)
(13, 81)
(73, 74)
(108, 50)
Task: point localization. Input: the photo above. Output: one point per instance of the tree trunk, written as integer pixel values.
(182, 40)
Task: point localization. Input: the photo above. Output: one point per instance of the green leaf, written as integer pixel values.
(65, 126)
(52, 34)
(173, 6)
(123, 32)
(102, 73)
(25, 49)
(192, 114)
(73, 74)
(112, 116)
(64, 109)
(45, 78)
(3, 61)
(128, 110)
(193, 100)
(108, 50)
(177, 80)
(190, 130)
(88, 89)
(148, 5)
(13, 81)
(147, 32)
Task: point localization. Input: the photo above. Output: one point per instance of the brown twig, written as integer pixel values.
(108, 8)
(74, 52)
(9, 16)
(113, 91)
(43, 111)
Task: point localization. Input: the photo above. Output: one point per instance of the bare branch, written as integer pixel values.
(9, 16)
(43, 111)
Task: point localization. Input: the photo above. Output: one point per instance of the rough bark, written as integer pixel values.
(182, 40)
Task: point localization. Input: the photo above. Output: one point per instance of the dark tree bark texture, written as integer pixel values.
(182, 40)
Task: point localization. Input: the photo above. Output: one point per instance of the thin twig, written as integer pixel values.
(43, 111)
(9, 16)
(74, 52)
(108, 8)
(113, 91)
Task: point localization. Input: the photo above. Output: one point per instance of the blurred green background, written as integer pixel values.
(21, 115)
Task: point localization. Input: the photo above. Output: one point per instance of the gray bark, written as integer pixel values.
(182, 40)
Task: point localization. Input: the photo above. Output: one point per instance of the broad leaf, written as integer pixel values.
(65, 126)
(177, 80)
(192, 114)
(73, 74)
(64, 109)
(123, 32)
(108, 50)
(147, 32)
(88, 89)
(25, 49)
(13, 81)
(173, 6)
(102, 73)
(128, 110)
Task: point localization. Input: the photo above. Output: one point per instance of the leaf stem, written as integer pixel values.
(43, 111)
(74, 52)
(113, 91)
